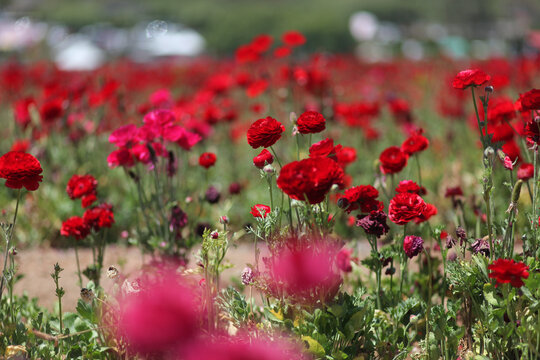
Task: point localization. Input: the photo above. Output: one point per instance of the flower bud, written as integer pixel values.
(489, 89)
(223, 220)
(87, 295)
(112, 272)
(269, 169)
(247, 276)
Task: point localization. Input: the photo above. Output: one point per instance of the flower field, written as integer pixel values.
(385, 210)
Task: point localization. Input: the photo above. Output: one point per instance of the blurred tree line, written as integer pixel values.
(227, 23)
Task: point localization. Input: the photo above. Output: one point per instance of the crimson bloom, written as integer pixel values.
(525, 171)
(310, 122)
(393, 160)
(207, 159)
(413, 245)
(324, 148)
(470, 77)
(265, 157)
(98, 217)
(414, 144)
(76, 227)
(264, 132)
(508, 271)
(293, 38)
(363, 197)
(82, 187)
(405, 207)
(260, 210)
(530, 100)
(20, 169)
(310, 178)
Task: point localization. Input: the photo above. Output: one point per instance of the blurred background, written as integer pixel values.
(83, 33)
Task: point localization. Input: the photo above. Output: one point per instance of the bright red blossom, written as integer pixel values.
(470, 77)
(20, 169)
(264, 132)
(265, 157)
(508, 271)
(405, 207)
(76, 227)
(82, 187)
(310, 122)
(393, 160)
(293, 38)
(260, 210)
(207, 159)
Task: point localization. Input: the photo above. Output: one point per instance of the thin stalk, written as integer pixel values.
(480, 128)
(8, 243)
(78, 264)
(403, 261)
(418, 169)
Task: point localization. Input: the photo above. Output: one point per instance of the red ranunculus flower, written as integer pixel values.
(508, 271)
(100, 216)
(393, 160)
(405, 207)
(525, 171)
(75, 226)
(414, 144)
(293, 38)
(265, 157)
(311, 178)
(310, 122)
(260, 210)
(410, 187)
(20, 169)
(363, 197)
(207, 159)
(324, 148)
(530, 100)
(264, 132)
(453, 191)
(470, 77)
(532, 132)
(346, 155)
(82, 187)
(413, 245)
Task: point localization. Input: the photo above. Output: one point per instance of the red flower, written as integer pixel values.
(430, 211)
(363, 197)
(20, 169)
(530, 100)
(405, 207)
(470, 77)
(100, 216)
(393, 160)
(346, 155)
(453, 191)
(120, 157)
(310, 122)
(324, 148)
(525, 171)
(282, 52)
(260, 210)
(508, 271)
(414, 144)
(262, 43)
(82, 187)
(343, 260)
(532, 132)
(293, 38)
(207, 159)
(76, 227)
(264, 132)
(311, 178)
(410, 187)
(265, 157)
(20, 145)
(413, 245)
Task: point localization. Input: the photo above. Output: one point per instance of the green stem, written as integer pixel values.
(8, 244)
(418, 169)
(480, 128)
(78, 264)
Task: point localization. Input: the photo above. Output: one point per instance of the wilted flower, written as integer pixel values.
(480, 246)
(413, 245)
(247, 276)
(212, 195)
(374, 223)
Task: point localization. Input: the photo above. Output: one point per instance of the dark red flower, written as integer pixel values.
(310, 178)
(532, 132)
(431, 210)
(470, 77)
(20, 169)
(207, 159)
(120, 157)
(310, 122)
(393, 160)
(82, 187)
(260, 210)
(530, 100)
(76, 227)
(265, 157)
(413, 245)
(293, 38)
(346, 155)
(374, 223)
(453, 191)
(414, 144)
(264, 132)
(405, 207)
(100, 216)
(508, 271)
(51, 110)
(525, 171)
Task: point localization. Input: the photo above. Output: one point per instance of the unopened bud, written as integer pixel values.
(489, 89)
(87, 295)
(269, 169)
(224, 220)
(214, 235)
(112, 272)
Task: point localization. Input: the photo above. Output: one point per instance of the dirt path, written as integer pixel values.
(36, 264)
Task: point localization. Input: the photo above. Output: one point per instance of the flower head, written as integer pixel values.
(310, 122)
(470, 77)
(413, 245)
(82, 187)
(260, 210)
(393, 160)
(76, 227)
(207, 160)
(508, 271)
(20, 169)
(264, 132)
